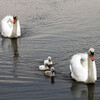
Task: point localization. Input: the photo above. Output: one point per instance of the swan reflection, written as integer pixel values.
(52, 80)
(15, 48)
(82, 90)
(10, 46)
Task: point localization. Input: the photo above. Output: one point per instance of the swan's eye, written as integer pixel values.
(14, 17)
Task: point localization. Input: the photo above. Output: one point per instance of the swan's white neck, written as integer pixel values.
(14, 31)
(91, 76)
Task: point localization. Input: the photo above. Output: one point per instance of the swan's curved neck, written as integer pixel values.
(14, 31)
(91, 78)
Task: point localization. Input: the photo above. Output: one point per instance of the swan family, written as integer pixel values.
(82, 65)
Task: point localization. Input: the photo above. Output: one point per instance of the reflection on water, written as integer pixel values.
(91, 89)
(82, 90)
(52, 80)
(11, 46)
(15, 47)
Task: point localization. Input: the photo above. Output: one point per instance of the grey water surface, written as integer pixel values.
(56, 28)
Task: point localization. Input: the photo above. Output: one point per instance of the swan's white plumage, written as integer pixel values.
(79, 67)
(7, 26)
(48, 61)
(43, 67)
(94, 69)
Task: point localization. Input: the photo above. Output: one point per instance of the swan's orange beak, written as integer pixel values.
(92, 56)
(14, 21)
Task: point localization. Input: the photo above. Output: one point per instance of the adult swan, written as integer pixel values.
(83, 68)
(10, 27)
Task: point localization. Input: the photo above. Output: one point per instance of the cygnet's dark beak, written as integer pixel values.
(53, 71)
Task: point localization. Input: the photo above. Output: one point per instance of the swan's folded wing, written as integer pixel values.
(6, 26)
(78, 71)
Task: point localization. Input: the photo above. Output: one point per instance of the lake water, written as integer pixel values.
(56, 28)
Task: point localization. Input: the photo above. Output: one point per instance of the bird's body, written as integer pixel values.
(48, 61)
(83, 67)
(50, 73)
(10, 27)
(43, 67)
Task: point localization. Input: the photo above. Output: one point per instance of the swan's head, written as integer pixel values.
(91, 53)
(14, 18)
(52, 70)
(49, 58)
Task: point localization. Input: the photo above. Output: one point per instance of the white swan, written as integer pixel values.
(10, 27)
(43, 67)
(48, 61)
(50, 73)
(83, 67)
